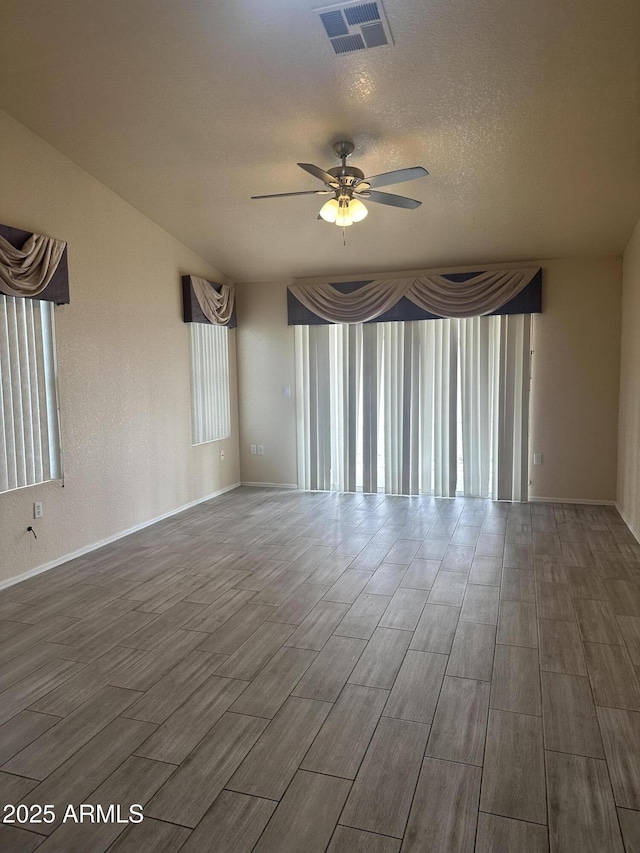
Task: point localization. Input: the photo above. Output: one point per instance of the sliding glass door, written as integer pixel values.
(426, 407)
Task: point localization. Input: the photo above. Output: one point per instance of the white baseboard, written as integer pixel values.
(87, 549)
(631, 526)
(271, 485)
(534, 499)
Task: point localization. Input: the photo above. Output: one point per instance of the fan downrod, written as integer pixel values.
(347, 176)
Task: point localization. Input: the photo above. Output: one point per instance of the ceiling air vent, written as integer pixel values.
(355, 26)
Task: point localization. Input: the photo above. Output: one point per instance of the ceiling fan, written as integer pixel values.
(347, 185)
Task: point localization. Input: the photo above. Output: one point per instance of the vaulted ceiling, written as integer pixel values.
(526, 114)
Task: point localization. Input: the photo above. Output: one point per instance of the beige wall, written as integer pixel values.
(265, 368)
(574, 386)
(629, 426)
(123, 362)
(575, 380)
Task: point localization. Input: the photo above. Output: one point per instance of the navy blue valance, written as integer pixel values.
(527, 301)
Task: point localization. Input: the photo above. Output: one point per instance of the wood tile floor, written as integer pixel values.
(280, 671)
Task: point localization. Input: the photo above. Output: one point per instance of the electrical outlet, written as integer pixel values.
(261, 450)
(253, 450)
(37, 509)
(537, 458)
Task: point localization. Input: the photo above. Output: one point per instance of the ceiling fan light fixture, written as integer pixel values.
(357, 210)
(344, 217)
(330, 210)
(343, 220)
(348, 184)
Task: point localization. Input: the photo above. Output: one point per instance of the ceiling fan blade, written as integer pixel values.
(282, 195)
(397, 177)
(317, 172)
(392, 200)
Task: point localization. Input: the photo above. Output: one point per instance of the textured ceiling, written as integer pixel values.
(525, 113)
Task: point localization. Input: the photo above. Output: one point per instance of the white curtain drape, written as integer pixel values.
(381, 406)
(477, 357)
(27, 271)
(482, 294)
(512, 370)
(210, 407)
(29, 432)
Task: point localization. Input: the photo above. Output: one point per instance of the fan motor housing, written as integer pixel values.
(347, 175)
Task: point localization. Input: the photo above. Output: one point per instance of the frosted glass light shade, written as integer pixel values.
(330, 210)
(357, 210)
(343, 212)
(344, 218)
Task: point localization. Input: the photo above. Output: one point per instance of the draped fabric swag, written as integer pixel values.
(425, 407)
(26, 272)
(217, 306)
(482, 294)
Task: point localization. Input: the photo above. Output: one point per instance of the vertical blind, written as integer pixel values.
(29, 432)
(410, 408)
(210, 414)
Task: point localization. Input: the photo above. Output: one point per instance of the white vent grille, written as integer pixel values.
(355, 26)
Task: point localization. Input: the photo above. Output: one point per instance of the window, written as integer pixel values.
(29, 431)
(423, 407)
(210, 418)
